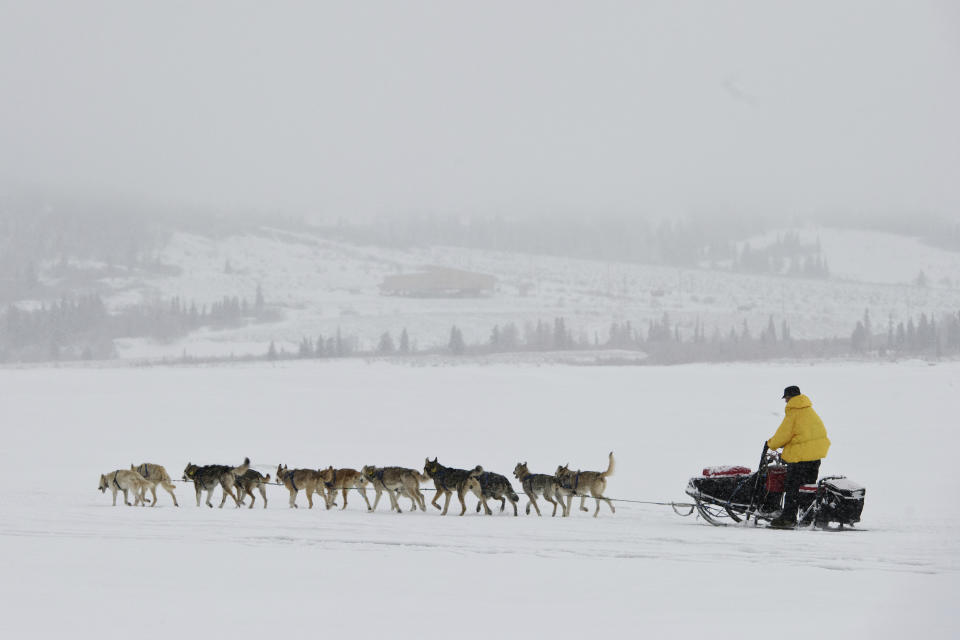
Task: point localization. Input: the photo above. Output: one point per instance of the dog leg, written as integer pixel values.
(263, 494)
(114, 496)
(363, 492)
(210, 495)
(345, 491)
(446, 503)
(514, 503)
(309, 491)
(153, 491)
(293, 499)
(172, 495)
(503, 504)
(486, 507)
(126, 498)
(463, 504)
(223, 499)
(234, 492)
(532, 500)
(376, 499)
(394, 504)
(436, 496)
(197, 489)
(583, 500)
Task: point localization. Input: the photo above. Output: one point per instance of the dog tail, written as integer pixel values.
(416, 474)
(266, 478)
(242, 469)
(610, 467)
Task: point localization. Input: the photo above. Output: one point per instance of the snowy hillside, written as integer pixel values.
(322, 285)
(873, 256)
(71, 561)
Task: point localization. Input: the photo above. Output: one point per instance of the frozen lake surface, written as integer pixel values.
(75, 565)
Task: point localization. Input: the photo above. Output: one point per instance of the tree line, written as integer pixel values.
(663, 340)
(82, 327)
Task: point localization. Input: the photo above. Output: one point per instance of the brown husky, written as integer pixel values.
(296, 479)
(155, 474)
(580, 483)
(534, 483)
(447, 480)
(125, 481)
(250, 480)
(343, 480)
(395, 481)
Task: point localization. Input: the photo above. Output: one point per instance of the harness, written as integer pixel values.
(292, 483)
(566, 484)
(144, 473)
(115, 480)
(332, 484)
(378, 474)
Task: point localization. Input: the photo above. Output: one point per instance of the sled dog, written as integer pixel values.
(296, 479)
(395, 481)
(582, 483)
(155, 474)
(343, 480)
(250, 480)
(494, 485)
(206, 478)
(447, 480)
(125, 481)
(537, 483)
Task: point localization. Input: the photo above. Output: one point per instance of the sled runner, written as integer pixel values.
(726, 495)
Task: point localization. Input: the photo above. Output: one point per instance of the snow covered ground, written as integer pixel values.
(72, 564)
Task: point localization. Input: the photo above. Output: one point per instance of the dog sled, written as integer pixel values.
(737, 495)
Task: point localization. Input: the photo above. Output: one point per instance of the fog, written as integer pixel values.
(652, 182)
(351, 110)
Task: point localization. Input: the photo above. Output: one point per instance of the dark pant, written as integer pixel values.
(798, 473)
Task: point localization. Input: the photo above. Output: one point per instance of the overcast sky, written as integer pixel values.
(358, 108)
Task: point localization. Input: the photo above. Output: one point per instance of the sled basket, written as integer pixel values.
(776, 477)
(841, 499)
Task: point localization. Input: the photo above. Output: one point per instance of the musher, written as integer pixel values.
(804, 441)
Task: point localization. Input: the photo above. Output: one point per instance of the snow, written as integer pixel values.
(876, 256)
(72, 564)
(324, 285)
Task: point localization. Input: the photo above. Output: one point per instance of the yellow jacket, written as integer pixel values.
(801, 434)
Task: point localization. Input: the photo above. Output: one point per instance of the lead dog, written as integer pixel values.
(125, 481)
(537, 483)
(250, 480)
(343, 480)
(206, 478)
(156, 474)
(494, 485)
(395, 481)
(447, 480)
(580, 483)
(296, 479)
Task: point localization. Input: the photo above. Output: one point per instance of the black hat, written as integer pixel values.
(791, 391)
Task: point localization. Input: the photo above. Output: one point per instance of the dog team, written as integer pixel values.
(239, 482)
